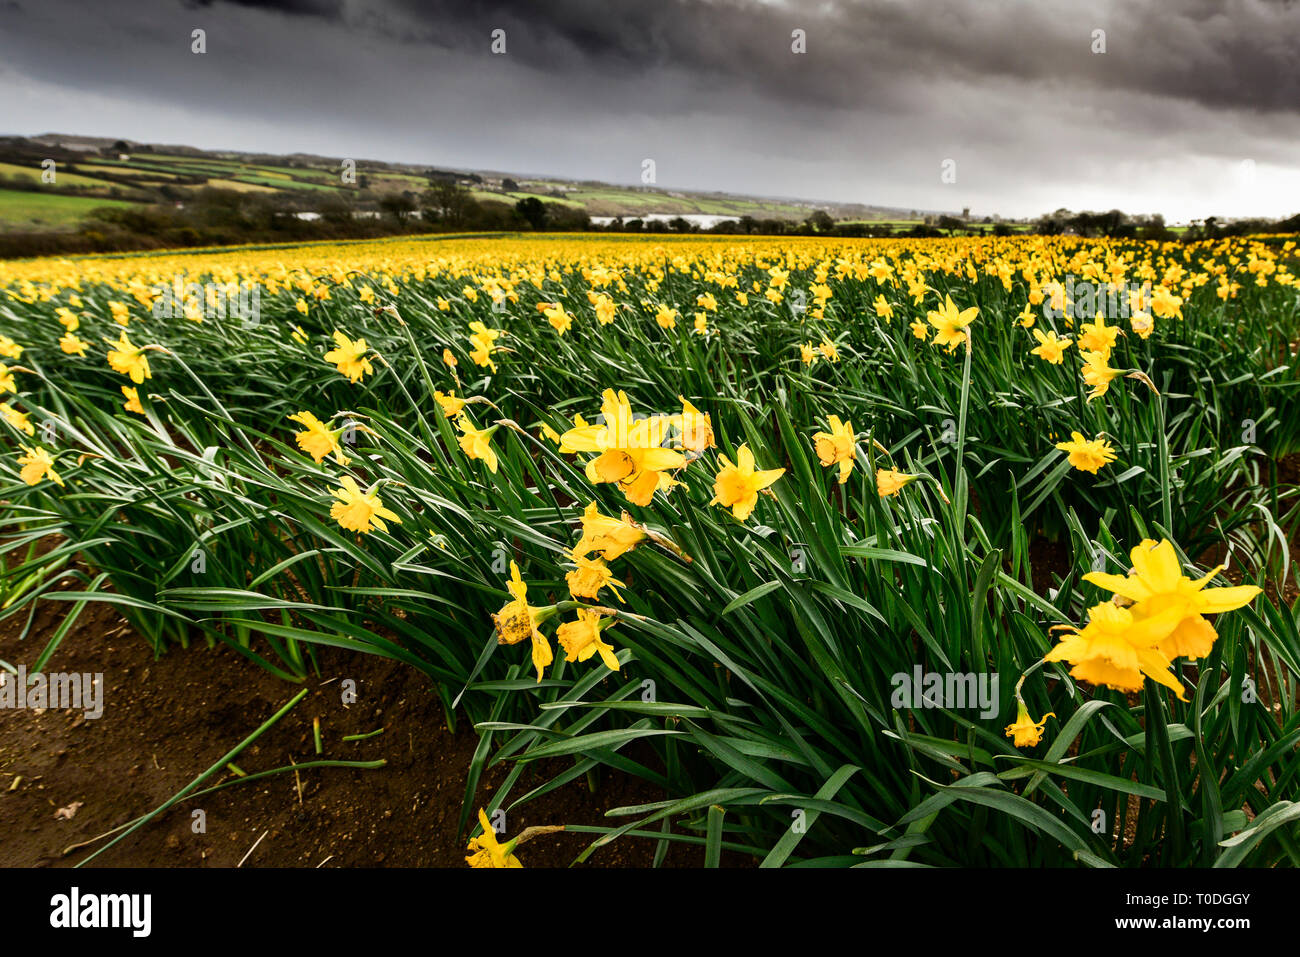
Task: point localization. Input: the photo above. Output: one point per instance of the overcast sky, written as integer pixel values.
(1192, 110)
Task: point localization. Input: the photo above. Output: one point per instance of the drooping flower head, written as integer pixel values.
(517, 621)
(1025, 730)
(317, 439)
(581, 639)
(611, 537)
(890, 482)
(837, 446)
(477, 443)
(359, 511)
(487, 851)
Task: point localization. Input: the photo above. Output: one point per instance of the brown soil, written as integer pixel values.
(165, 721)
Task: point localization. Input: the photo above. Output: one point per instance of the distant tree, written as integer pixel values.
(532, 210)
(821, 221)
(448, 202)
(334, 209)
(679, 225)
(397, 205)
(509, 185)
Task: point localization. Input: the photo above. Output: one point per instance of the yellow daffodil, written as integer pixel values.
(1165, 305)
(476, 443)
(1025, 730)
(1049, 347)
(1142, 323)
(350, 357)
(629, 451)
(1117, 648)
(359, 511)
(129, 360)
(37, 464)
(1097, 373)
(1157, 584)
(132, 403)
(19, 420)
(889, 482)
(560, 320)
(581, 639)
(1087, 455)
(487, 851)
(449, 404)
(317, 439)
(951, 325)
(517, 621)
(837, 446)
(737, 486)
(1097, 337)
(590, 577)
(611, 537)
(696, 428)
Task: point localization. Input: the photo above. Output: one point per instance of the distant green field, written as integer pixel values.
(22, 210)
(487, 195)
(60, 178)
(616, 201)
(226, 171)
(123, 169)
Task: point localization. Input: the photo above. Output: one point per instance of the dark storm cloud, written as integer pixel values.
(1009, 89)
(329, 9)
(1220, 53)
(1238, 53)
